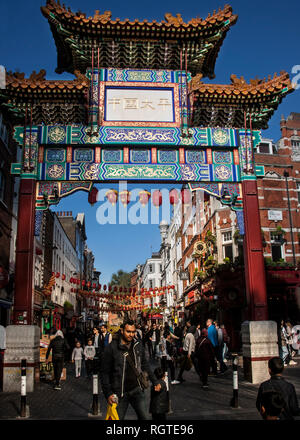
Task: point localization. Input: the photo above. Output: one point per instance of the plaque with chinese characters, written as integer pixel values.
(134, 105)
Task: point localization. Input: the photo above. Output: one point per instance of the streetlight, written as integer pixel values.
(286, 175)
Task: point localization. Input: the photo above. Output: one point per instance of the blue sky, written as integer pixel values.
(264, 40)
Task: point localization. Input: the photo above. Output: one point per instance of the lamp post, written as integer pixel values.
(286, 175)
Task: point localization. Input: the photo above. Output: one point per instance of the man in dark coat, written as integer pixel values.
(118, 377)
(205, 354)
(284, 388)
(59, 346)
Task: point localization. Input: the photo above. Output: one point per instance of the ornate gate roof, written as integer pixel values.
(131, 43)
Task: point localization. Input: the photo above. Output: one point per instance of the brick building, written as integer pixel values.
(222, 295)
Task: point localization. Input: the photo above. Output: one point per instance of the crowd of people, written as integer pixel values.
(124, 362)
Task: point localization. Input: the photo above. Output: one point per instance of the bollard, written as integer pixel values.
(95, 405)
(23, 412)
(234, 400)
(95, 395)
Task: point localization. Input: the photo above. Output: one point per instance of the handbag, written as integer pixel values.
(142, 377)
(112, 413)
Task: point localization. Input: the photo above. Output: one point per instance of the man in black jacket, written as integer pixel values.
(118, 377)
(58, 345)
(278, 384)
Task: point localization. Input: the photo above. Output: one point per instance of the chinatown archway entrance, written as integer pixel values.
(116, 145)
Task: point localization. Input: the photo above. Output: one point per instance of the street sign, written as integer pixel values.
(275, 215)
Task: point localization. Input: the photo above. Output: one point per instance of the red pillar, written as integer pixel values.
(255, 274)
(23, 303)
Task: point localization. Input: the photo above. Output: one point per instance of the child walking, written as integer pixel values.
(77, 357)
(159, 403)
(89, 354)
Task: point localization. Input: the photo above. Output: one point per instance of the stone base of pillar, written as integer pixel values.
(260, 343)
(22, 342)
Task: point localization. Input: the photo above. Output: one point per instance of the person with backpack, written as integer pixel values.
(283, 387)
(59, 346)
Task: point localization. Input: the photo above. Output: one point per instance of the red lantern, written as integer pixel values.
(94, 285)
(99, 286)
(63, 277)
(109, 288)
(173, 196)
(125, 197)
(88, 284)
(92, 199)
(144, 197)
(120, 289)
(157, 198)
(112, 196)
(83, 282)
(186, 196)
(104, 287)
(115, 289)
(57, 275)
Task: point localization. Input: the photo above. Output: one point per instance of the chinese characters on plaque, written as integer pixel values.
(125, 104)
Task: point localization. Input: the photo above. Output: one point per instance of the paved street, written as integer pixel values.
(188, 400)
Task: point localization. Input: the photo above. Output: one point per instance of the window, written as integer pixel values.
(227, 245)
(298, 191)
(265, 148)
(160, 267)
(227, 236)
(2, 186)
(151, 284)
(150, 268)
(295, 143)
(276, 246)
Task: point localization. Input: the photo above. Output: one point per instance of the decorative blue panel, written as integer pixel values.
(54, 155)
(140, 156)
(222, 157)
(83, 155)
(194, 156)
(112, 156)
(167, 156)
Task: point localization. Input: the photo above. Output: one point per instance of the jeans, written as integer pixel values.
(284, 353)
(136, 398)
(77, 367)
(154, 346)
(58, 364)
